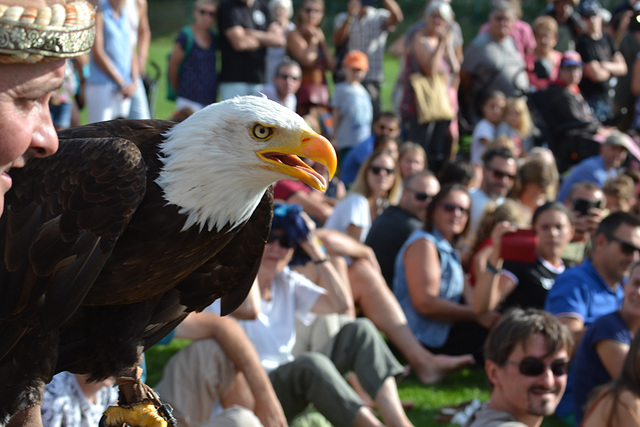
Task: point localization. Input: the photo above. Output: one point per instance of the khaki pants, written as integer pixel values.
(194, 379)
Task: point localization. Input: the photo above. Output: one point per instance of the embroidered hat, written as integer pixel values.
(357, 59)
(40, 30)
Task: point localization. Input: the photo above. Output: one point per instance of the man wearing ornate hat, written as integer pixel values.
(36, 36)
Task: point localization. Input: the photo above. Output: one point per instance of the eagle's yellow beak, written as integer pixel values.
(285, 158)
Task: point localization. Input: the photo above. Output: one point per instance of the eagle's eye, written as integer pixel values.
(262, 132)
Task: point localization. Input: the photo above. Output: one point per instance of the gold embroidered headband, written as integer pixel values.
(29, 34)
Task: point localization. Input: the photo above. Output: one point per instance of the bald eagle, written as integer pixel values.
(108, 244)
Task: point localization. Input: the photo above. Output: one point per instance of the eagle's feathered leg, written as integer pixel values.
(138, 406)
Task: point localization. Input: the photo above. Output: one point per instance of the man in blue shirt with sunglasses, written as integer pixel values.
(582, 294)
(527, 356)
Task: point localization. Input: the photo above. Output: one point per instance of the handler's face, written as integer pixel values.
(25, 122)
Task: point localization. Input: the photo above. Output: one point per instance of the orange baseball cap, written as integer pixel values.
(357, 59)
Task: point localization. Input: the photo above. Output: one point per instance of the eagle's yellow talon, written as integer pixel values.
(140, 415)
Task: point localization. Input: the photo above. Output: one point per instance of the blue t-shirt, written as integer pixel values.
(354, 159)
(589, 372)
(581, 293)
(589, 170)
(355, 114)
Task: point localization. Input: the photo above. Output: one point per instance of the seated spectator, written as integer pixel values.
(586, 201)
(499, 169)
(544, 62)
(618, 402)
(486, 130)
(569, 122)
(596, 169)
(536, 183)
(385, 124)
(510, 211)
(391, 229)
(429, 281)
(317, 377)
(285, 84)
(71, 400)
(457, 172)
(605, 345)
(520, 282)
(375, 188)
(411, 159)
(582, 294)
(220, 368)
(518, 352)
(619, 193)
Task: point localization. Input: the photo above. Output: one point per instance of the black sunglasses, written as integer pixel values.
(501, 174)
(420, 196)
(287, 76)
(282, 239)
(452, 207)
(626, 247)
(206, 12)
(532, 366)
(378, 169)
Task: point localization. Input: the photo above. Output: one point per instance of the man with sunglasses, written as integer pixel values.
(584, 293)
(498, 175)
(527, 355)
(392, 227)
(286, 82)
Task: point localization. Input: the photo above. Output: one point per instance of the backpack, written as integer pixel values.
(171, 95)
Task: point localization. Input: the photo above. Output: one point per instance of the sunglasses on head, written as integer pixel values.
(501, 174)
(626, 247)
(282, 239)
(378, 169)
(452, 207)
(420, 196)
(206, 12)
(533, 367)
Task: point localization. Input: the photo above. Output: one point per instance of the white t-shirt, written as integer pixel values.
(273, 333)
(484, 129)
(353, 209)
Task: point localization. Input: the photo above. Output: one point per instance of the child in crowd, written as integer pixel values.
(620, 193)
(352, 108)
(486, 129)
(517, 125)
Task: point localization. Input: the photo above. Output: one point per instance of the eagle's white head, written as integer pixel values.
(219, 162)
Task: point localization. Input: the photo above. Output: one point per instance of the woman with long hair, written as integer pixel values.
(429, 281)
(377, 185)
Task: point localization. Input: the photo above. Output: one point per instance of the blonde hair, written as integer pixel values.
(519, 105)
(510, 210)
(361, 185)
(545, 23)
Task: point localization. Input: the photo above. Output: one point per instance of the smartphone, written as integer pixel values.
(519, 245)
(582, 206)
